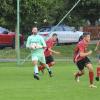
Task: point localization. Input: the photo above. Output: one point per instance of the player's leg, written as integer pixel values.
(49, 70)
(98, 69)
(51, 64)
(41, 67)
(91, 74)
(35, 64)
(78, 74)
(50, 61)
(80, 64)
(43, 62)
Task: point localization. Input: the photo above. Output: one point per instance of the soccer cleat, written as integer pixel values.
(97, 78)
(92, 86)
(36, 77)
(50, 73)
(78, 79)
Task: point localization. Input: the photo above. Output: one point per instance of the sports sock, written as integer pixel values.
(91, 76)
(98, 71)
(36, 69)
(48, 68)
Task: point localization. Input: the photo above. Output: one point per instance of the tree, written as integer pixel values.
(88, 10)
(7, 13)
(33, 12)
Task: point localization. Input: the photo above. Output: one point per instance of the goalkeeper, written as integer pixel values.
(37, 51)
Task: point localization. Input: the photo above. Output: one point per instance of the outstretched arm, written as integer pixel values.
(53, 51)
(97, 45)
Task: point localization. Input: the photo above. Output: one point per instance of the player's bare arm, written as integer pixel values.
(82, 54)
(97, 45)
(53, 51)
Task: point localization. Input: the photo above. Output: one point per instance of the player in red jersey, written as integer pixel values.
(81, 59)
(49, 51)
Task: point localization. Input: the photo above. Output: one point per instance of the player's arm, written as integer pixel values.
(82, 53)
(43, 43)
(53, 51)
(97, 45)
(28, 42)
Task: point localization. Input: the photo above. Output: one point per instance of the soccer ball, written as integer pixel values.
(35, 45)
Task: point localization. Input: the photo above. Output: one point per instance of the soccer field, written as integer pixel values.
(17, 83)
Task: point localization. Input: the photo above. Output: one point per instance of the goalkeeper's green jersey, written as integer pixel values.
(36, 39)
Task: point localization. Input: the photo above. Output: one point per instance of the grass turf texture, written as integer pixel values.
(17, 83)
(66, 51)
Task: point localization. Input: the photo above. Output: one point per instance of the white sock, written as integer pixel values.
(36, 69)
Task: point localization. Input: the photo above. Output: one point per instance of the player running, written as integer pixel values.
(37, 52)
(81, 59)
(49, 51)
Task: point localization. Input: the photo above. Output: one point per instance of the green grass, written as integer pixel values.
(66, 51)
(17, 83)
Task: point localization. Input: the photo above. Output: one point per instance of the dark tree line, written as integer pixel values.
(35, 11)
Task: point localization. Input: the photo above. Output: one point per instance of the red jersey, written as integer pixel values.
(50, 43)
(80, 47)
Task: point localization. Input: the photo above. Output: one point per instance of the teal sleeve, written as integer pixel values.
(28, 42)
(43, 42)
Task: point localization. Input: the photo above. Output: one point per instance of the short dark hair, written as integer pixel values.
(54, 34)
(86, 33)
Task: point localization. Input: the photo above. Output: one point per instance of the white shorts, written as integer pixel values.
(39, 58)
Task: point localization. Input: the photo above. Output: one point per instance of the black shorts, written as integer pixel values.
(49, 59)
(82, 63)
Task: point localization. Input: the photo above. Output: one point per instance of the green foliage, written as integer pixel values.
(7, 12)
(33, 12)
(89, 10)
